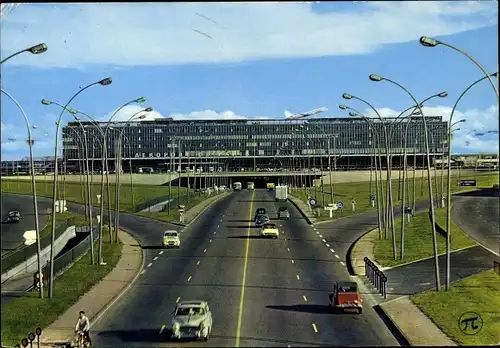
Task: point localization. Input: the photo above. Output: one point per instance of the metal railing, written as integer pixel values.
(376, 277)
(13, 259)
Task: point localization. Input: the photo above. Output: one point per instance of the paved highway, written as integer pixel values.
(262, 292)
(12, 233)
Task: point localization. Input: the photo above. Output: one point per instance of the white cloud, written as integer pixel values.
(476, 121)
(135, 111)
(166, 33)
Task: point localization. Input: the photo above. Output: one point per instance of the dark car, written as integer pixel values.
(261, 220)
(260, 211)
(14, 216)
(283, 213)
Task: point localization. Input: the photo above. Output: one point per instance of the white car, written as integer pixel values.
(269, 229)
(192, 319)
(171, 239)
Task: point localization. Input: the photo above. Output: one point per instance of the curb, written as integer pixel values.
(217, 198)
(348, 258)
(300, 211)
(392, 326)
(122, 292)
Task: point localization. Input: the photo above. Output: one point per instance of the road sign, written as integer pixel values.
(312, 201)
(340, 205)
(372, 196)
(467, 182)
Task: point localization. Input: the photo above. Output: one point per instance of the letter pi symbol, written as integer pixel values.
(470, 323)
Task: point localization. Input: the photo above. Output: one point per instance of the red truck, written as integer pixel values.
(345, 295)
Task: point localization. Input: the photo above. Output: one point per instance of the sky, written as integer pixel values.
(246, 60)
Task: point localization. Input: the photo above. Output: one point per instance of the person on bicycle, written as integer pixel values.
(83, 325)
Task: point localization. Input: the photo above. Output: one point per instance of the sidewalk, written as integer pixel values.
(303, 208)
(413, 324)
(101, 296)
(364, 248)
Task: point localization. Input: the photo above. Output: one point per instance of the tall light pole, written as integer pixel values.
(33, 184)
(37, 49)
(443, 157)
(390, 204)
(448, 194)
(104, 82)
(377, 78)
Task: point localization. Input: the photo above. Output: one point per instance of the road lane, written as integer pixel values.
(12, 233)
(137, 319)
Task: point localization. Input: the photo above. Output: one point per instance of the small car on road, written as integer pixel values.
(260, 211)
(345, 295)
(14, 217)
(171, 239)
(261, 220)
(192, 319)
(283, 213)
(269, 229)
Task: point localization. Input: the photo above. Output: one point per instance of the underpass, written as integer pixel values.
(262, 292)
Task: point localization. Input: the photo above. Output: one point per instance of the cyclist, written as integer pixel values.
(83, 325)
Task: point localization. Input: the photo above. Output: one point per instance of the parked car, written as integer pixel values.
(192, 319)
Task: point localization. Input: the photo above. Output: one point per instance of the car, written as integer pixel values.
(261, 220)
(269, 229)
(346, 295)
(260, 211)
(191, 319)
(283, 213)
(14, 216)
(171, 239)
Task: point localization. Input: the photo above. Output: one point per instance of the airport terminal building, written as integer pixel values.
(234, 145)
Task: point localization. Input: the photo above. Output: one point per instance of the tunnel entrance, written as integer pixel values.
(260, 181)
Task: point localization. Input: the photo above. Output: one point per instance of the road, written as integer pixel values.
(479, 217)
(12, 233)
(262, 292)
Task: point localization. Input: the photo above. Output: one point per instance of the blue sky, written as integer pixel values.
(260, 60)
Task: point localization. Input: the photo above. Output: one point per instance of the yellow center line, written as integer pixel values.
(197, 263)
(189, 279)
(244, 277)
(315, 328)
(305, 298)
(162, 328)
(178, 299)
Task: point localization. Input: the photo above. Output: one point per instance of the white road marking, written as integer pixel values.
(323, 240)
(320, 236)
(161, 252)
(215, 232)
(293, 261)
(424, 284)
(288, 249)
(205, 250)
(332, 250)
(150, 264)
(298, 278)
(143, 271)
(327, 245)
(162, 328)
(338, 257)
(210, 241)
(342, 263)
(156, 258)
(305, 298)
(317, 232)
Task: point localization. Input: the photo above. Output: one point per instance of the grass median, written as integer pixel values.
(418, 240)
(22, 315)
(360, 192)
(76, 192)
(480, 294)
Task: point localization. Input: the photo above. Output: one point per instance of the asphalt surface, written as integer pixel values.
(285, 284)
(12, 233)
(479, 217)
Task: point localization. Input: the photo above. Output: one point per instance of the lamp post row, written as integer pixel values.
(425, 41)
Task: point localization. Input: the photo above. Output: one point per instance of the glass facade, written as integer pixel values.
(252, 143)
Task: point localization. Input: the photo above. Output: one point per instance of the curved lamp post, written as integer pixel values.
(448, 194)
(33, 184)
(377, 78)
(37, 49)
(104, 82)
(104, 149)
(376, 153)
(390, 204)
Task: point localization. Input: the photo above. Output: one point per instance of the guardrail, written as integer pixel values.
(496, 267)
(376, 277)
(13, 259)
(151, 202)
(62, 262)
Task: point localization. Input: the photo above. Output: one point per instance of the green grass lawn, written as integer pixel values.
(173, 215)
(24, 314)
(418, 239)
(360, 191)
(75, 192)
(479, 293)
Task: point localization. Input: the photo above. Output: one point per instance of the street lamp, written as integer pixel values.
(33, 185)
(390, 204)
(377, 78)
(448, 196)
(37, 49)
(103, 82)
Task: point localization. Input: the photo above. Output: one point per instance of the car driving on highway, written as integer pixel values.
(269, 229)
(283, 213)
(14, 216)
(171, 239)
(260, 211)
(192, 319)
(345, 295)
(261, 220)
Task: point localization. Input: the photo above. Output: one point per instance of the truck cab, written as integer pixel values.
(250, 185)
(345, 295)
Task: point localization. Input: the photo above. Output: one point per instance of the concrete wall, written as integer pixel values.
(31, 265)
(157, 207)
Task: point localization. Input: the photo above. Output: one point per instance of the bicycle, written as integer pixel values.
(80, 341)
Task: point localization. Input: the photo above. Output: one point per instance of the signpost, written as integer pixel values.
(340, 205)
(181, 213)
(408, 212)
(312, 202)
(372, 200)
